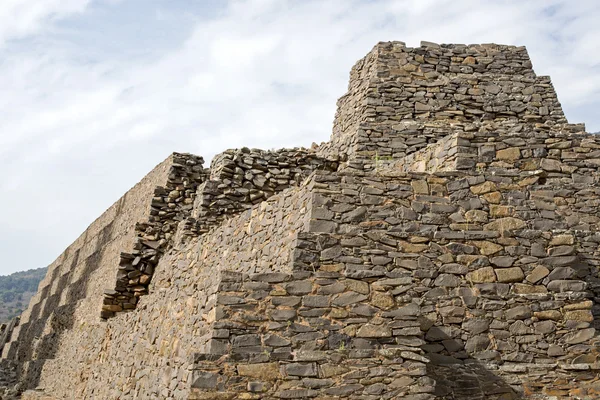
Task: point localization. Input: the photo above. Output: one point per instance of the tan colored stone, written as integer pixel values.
(562, 240)
(418, 239)
(493, 197)
(530, 165)
(412, 248)
(329, 370)
(507, 241)
(528, 181)
(476, 216)
(501, 211)
(469, 60)
(198, 395)
(584, 305)
(403, 381)
(579, 315)
(338, 313)
(409, 67)
(488, 248)
(463, 226)
(554, 315)
(420, 187)
(522, 288)
(507, 275)
(262, 371)
(331, 267)
(506, 224)
(561, 201)
(549, 164)
(510, 154)
(438, 180)
(485, 187)
(383, 300)
(538, 273)
(482, 275)
(374, 331)
(357, 286)
(350, 330)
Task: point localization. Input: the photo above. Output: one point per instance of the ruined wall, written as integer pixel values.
(443, 244)
(241, 178)
(6, 331)
(155, 233)
(148, 353)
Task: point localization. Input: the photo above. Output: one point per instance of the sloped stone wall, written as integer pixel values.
(6, 331)
(72, 290)
(148, 352)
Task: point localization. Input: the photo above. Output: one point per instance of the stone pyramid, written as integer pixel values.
(442, 245)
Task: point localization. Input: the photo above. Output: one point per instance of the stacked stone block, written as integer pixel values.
(241, 178)
(170, 205)
(305, 335)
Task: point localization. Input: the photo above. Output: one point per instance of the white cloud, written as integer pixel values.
(20, 18)
(78, 127)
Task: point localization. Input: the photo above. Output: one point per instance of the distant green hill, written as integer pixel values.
(16, 290)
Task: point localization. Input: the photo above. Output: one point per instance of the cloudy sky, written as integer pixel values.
(95, 93)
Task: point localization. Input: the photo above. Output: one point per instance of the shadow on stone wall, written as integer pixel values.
(458, 376)
(463, 378)
(467, 380)
(61, 317)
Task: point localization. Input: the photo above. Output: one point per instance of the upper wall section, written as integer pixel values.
(400, 99)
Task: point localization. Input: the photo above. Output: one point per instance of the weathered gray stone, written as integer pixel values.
(519, 312)
(301, 369)
(374, 331)
(579, 336)
(476, 325)
(566, 286)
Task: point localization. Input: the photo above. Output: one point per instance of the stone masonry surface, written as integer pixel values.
(444, 244)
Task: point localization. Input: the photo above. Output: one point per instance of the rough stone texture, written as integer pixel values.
(443, 244)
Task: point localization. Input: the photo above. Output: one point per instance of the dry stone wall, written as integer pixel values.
(498, 269)
(401, 99)
(6, 331)
(148, 353)
(241, 178)
(262, 238)
(171, 204)
(443, 245)
(493, 291)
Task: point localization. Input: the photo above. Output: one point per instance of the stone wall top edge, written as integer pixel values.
(308, 151)
(431, 45)
(166, 163)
